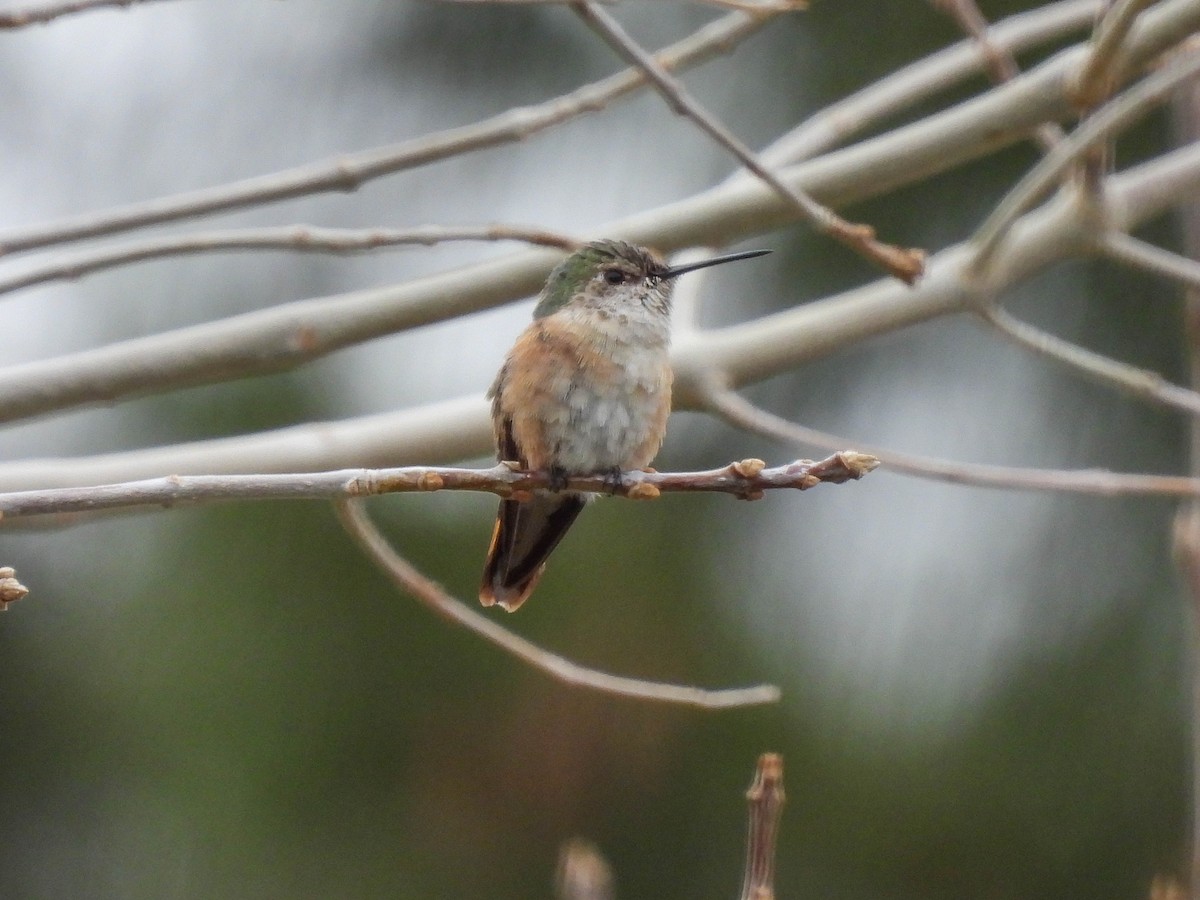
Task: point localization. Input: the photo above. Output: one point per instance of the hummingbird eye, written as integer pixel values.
(614, 276)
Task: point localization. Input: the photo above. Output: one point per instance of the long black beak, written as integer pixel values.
(672, 271)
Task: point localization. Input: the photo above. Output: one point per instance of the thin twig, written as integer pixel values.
(1000, 64)
(743, 414)
(350, 171)
(1142, 383)
(1107, 120)
(747, 479)
(920, 80)
(905, 264)
(300, 238)
(1101, 71)
(405, 576)
(47, 11)
(1142, 255)
(765, 800)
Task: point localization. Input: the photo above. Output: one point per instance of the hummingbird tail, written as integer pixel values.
(525, 535)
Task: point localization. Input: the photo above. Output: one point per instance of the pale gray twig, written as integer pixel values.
(299, 238)
(1135, 252)
(405, 576)
(1100, 72)
(1141, 383)
(905, 264)
(741, 413)
(1107, 120)
(351, 170)
(1000, 64)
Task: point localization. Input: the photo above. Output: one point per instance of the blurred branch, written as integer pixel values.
(1185, 114)
(887, 98)
(765, 799)
(907, 265)
(300, 238)
(920, 80)
(32, 15)
(1142, 255)
(743, 414)
(1141, 383)
(11, 590)
(350, 171)
(736, 355)
(405, 576)
(1107, 120)
(1000, 64)
(747, 479)
(583, 872)
(285, 336)
(1099, 74)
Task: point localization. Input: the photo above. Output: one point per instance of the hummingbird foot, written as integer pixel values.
(612, 479)
(558, 478)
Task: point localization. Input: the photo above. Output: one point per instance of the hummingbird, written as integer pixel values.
(585, 390)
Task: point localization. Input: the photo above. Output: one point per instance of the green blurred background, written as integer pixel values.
(986, 694)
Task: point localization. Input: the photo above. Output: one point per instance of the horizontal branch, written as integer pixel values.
(747, 479)
(459, 428)
(296, 238)
(741, 413)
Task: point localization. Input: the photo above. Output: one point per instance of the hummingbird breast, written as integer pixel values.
(588, 396)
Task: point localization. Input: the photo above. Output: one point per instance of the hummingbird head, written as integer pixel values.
(614, 275)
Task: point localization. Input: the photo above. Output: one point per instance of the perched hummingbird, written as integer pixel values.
(585, 390)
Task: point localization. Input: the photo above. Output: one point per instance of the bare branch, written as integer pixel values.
(1141, 383)
(1107, 121)
(285, 336)
(350, 171)
(1099, 74)
(765, 800)
(405, 576)
(48, 11)
(741, 413)
(922, 79)
(300, 238)
(583, 872)
(741, 354)
(906, 265)
(747, 479)
(1139, 254)
(1000, 64)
